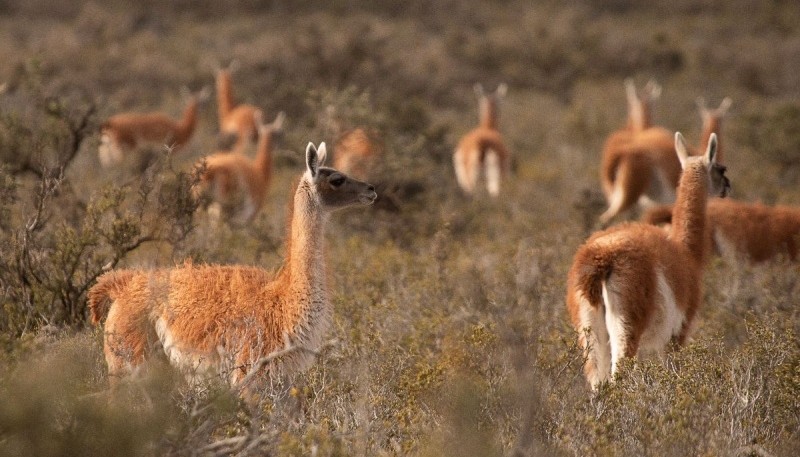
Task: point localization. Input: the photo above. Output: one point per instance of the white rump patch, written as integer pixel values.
(191, 364)
(592, 319)
(615, 324)
(108, 151)
(492, 167)
(614, 203)
(466, 179)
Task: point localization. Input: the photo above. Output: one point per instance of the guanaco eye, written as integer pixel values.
(337, 181)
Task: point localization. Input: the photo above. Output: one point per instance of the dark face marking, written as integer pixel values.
(338, 190)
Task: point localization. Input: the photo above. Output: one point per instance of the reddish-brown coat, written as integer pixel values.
(631, 259)
(224, 318)
(472, 155)
(128, 131)
(239, 183)
(754, 230)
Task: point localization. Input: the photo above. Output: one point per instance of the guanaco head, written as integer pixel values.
(334, 188)
(274, 128)
(489, 104)
(707, 113)
(718, 183)
(639, 107)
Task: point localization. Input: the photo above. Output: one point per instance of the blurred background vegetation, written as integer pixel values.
(450, 327)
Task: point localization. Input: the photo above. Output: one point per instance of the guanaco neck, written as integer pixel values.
(186, 126)
(712, 123)
(224, 96)
(263, 159)
(638, 116)
(303, 275)
(488, 113)
(689, 213)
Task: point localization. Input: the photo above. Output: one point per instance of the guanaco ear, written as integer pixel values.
(312, 160)
(501, 90)
(711, 153)
(724, 106)
(680, 149)
(478, 87)
(277, 124)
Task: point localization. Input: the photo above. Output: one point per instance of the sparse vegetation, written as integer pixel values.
(450, 334)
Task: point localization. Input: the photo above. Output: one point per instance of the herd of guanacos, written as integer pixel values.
(633, 288)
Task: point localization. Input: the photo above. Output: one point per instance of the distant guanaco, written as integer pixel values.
(356, 150)
(633, 288)
(482, 150)
(641, 166)
(126, 132)
(237, 123)
(755, 231)
(640, 109)
(237, 184)
(222, 320)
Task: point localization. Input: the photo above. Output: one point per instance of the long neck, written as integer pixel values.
(224, 95)
(304, 270)
(689, 213)
(712, 123)
(263, 160)
(488, 113)
(638, 117)
(186, 126)
(647, 114)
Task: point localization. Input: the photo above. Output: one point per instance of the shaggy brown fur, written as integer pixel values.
(237, 123)
(753, 230)
(126, 132)
(222, 319)
(483, 149)
(634, 286)
(237, 183)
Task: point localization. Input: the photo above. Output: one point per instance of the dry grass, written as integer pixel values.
(450, 330)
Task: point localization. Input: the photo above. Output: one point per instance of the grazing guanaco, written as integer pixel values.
(755, 231)
(641, 167)
(633, 288)
(236, 183)
(237, 123)
(223, 319)
(125, 132)
(482, 150)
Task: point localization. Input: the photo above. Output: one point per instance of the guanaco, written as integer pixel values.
(641, 166)
(126, 132)
(754, 231)
(482, 150)
(214, 319)
(236, 183)
(633, 288)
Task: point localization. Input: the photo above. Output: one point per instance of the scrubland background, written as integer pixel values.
(450, 334)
